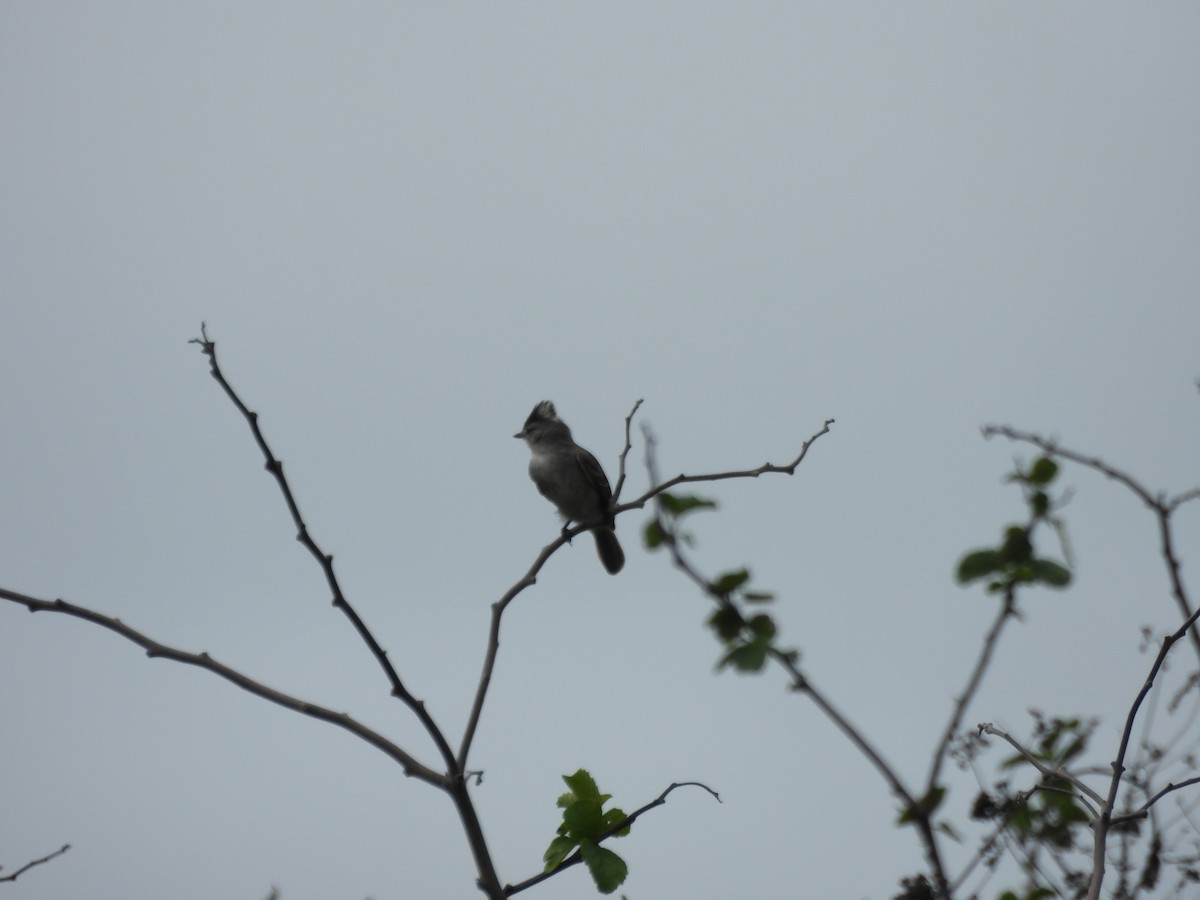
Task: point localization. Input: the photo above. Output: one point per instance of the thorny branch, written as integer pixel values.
(325, 560)
(454, 781)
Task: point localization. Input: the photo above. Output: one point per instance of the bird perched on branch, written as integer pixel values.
(571, 478)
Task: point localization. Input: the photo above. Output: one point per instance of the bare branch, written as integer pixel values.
(1144, 810)
(764, 469)
(493, 647)
(1045, 770)
(1007, 610)
(37, 862)
(202, 660)
(625, 452)
(627, 822)
(325, 560)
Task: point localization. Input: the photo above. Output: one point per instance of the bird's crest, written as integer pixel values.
(543, 412)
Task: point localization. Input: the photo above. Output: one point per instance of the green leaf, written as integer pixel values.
(727, 622)
(763, 626)
(1051, 573)
(615, 816)
(582, 785)
(978, 564)
(653, 535)
(1042, 471)
(731, 581)
(1017, 547)
(678, 505)
(608, 870)
(1040, 504)
(758, 596)
(560, 848)
(749, 657)
(584, 820)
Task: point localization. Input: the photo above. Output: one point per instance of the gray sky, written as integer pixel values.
(407, 223)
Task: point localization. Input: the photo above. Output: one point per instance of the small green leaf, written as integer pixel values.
(1017, 547)
(924, 807)
(1051, 573)
(978, 564)
(608, 870)
(678, 505)
(615, 816)
(582, 785)
(653, 535)
(748, 657)
(727, 622)
(731, 581)
(763, 626)
(1040, 504)
(758, 596)
(1043, 470)
(560, 848)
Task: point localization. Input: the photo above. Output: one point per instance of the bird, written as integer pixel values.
(571, 478)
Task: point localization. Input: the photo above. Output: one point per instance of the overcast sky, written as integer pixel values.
(405, 224)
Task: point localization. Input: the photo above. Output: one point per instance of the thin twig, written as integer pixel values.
(627, 822)
(37, 862)
(325, 560)
(1007, 610)
(493, 647)
(1142, 811)
(625, 452)
(764, 469)
(1045, 770)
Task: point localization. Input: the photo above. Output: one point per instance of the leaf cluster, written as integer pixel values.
(748, 636)
(585, 824)
(1013, 562)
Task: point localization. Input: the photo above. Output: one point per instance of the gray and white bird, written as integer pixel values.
(571, 478)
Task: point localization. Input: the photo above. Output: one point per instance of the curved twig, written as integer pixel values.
(576, 857)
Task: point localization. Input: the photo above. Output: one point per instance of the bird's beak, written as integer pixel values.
(519, 434)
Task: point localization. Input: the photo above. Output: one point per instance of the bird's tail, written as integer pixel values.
(609, 549)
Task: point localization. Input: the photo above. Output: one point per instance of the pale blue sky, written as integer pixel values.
(407, 223)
